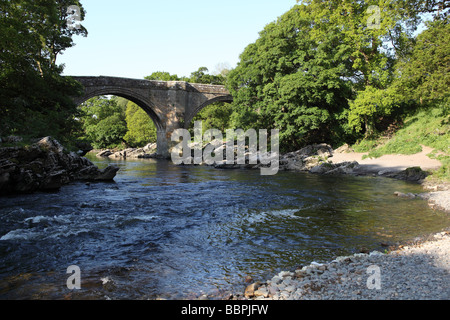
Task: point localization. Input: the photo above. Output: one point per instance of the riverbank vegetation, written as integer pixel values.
(332, 71)
(34, 97)
(426, 127)
(371, 74)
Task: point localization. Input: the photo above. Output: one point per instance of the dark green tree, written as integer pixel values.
(163, 76)
(202, 76)
(34, 97)
(103, 122)
(424, 76)
(378, 33)
(293, 81)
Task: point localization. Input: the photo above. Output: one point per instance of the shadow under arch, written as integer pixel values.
(129, 95)
(190, 117)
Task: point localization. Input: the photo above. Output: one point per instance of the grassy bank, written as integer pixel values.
(429, 127)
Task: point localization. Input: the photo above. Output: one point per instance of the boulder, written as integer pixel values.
(12, 139)
(344, 149)
(45, 165)
(149, 151)
(306, 158)
(104, 153)
(107, 174)
(335, 168)
(135, 153)
(322, 168)
(50, 144)
(120, 154)
(150, 148)
(262, 292)
(405, 195)
(84, 147)
(250, 290)
(410, 174)
(149, 156)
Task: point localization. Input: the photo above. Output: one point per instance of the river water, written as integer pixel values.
(174, 232)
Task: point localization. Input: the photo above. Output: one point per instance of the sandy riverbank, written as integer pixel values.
(437, 195)
(389, 163)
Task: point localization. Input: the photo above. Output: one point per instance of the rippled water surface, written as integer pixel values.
(176, 231)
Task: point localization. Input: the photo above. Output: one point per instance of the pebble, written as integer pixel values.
(414, 272)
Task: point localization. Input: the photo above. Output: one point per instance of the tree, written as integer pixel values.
(103, 122)
(294, 81)
(35, 98)
(163, 76)
(140, 128)
(215, 116)
(367, 27)
(109, 132)
(202, 76)
(425, 75)
(378, 33)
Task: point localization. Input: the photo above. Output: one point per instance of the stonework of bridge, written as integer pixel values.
(170, 104)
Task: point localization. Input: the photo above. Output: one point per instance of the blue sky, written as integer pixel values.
(135, 38)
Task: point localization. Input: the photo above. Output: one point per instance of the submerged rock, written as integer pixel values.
(45, 165)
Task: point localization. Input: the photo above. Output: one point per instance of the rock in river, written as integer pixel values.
(45, 165)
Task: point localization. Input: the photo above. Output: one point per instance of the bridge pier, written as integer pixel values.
(164, 142)
(168, 103)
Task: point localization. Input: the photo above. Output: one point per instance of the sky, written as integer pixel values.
(135, 38)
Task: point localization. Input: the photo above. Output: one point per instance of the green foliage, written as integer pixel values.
(141, 129)
(366, 145)
(103, 122)
(292, 81)
(319, 73)
(34, 97)
(425, 75)
(109, 132)
(324, 72)
(443, 173)
(114, 123)
(374, 50)
(201, 76)
(370, 105)
(215, 116)
(428, 126)
(163, 76)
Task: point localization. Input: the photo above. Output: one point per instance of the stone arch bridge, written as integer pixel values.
(170, 104)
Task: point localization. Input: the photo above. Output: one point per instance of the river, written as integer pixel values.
(174, 232)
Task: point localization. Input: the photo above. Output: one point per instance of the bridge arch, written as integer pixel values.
(129, 95)
(195, 111)
(170, 104)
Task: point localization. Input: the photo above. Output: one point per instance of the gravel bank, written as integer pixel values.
(438, 200)
(417, 272)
